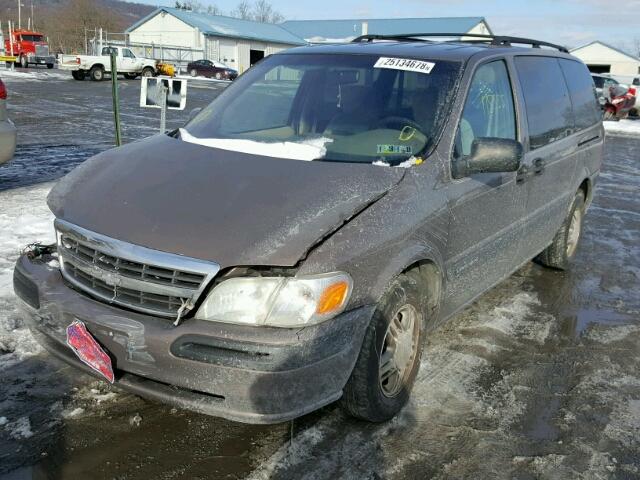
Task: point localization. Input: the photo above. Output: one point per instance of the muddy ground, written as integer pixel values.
(540, 378)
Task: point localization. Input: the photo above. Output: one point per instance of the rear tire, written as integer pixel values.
(97, 74)
(194, 72)
(78, 74)
(389, 359)
(49, 66)
(563, 248)
(130, 76)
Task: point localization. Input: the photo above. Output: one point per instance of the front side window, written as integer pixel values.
(549, 113)
(489, 111)
(126, 53)
(356, 111)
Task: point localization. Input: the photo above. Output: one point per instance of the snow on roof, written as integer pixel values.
(223, 26)
(615, 49)
(314, 30)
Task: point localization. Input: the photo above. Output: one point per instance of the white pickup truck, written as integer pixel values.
(96, 66)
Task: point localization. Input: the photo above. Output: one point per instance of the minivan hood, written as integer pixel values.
(235, 209)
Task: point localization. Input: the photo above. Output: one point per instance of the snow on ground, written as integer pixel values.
(623, 127)
(24, 218)
(37, 74)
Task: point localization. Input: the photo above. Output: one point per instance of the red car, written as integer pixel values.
(207, 68)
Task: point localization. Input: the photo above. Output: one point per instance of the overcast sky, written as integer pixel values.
(570, 22)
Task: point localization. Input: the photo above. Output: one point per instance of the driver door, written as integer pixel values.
(486, 208)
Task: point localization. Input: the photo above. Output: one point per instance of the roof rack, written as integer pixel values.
(500, 40)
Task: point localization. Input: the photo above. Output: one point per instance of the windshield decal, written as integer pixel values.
(407, 64)
(395, 149)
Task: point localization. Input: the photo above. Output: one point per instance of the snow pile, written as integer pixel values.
(623, 127)
(306, 150)
(410, 162)
(19, 429)
(24, 219)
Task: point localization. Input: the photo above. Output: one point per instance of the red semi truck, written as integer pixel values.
(29, 47)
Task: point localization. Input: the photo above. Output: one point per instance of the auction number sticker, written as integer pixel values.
(407, 64)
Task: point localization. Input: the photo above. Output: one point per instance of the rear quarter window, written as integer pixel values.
(547, 100)
(586, 110)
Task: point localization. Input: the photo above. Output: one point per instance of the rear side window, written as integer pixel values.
(546, 97)
(582, 92)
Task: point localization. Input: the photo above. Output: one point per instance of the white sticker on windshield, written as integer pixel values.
(408, 64)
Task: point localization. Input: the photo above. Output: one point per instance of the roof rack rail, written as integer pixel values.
(501, 40)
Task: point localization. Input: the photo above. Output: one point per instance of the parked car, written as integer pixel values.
(95, 66)
(298, 240)
(7, 129)
(207, 68)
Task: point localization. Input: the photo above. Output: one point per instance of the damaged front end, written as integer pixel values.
(240, 372)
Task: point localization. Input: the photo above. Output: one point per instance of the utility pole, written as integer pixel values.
(33, 19)
(20, 14)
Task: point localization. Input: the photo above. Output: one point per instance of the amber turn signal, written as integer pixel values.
(332, 298)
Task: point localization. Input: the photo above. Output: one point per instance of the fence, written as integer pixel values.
(178, 56)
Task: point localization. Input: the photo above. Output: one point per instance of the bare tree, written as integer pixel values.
(243, 11)
(264, 12)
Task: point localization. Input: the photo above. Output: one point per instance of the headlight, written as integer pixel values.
(278, 301)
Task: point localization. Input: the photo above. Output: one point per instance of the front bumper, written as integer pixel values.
(246, 374)
(42, 60)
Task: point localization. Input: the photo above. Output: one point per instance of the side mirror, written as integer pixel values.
(490, 155)
(193, 113)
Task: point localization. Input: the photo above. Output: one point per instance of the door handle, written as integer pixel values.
(538, 166)
(522, 174)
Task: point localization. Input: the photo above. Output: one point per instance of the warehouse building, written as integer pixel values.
(603, 58)
(237, 43)
(332, 31)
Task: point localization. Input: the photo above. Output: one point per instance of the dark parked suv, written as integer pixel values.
(295, 243)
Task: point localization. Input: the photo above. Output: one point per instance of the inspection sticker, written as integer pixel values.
(395, 149)
(408, 64)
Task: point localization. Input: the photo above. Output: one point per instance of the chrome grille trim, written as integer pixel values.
(42, 50)
(139, 278)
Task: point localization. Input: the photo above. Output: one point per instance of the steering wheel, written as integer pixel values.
(400, 122)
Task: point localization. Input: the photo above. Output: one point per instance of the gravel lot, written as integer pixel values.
(540, 378)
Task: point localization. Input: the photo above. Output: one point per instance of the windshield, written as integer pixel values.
(350, 108)
(31, 38)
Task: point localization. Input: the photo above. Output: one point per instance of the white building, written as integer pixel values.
(237, 43)
(324, 31)
(603, 58)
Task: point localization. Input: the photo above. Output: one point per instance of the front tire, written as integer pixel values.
(389, 359)
(97, 74)
(194, 72)
(148, 72)
(218, 76)
(563, 248)
(130, 76)
(24, 63)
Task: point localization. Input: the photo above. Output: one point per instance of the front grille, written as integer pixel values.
(42, 50)
(136, 277)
